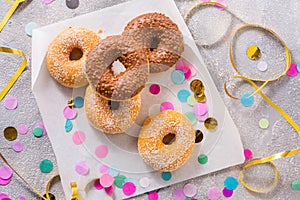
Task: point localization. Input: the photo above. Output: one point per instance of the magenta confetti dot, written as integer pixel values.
(101, 151)
(69, 113)
(97, 185)
(166, 106)
(41, 125)
(3, 195)
(106, 180)
(292, 71)
(21, 197)
(190, 190)
(213, 193)
(10, 103)
(200, 109)
(4, 182)
(227, 193)
(154, 89)
(104, 169)
(78, 137)
(23, 129)
(129, 188)
(82, 168)
(5, 172)
(247, 154)
(178, 194)
(202, 118)
(18, 146)
(188, 74)
(183, 66)
(152, 196)
(109, 190)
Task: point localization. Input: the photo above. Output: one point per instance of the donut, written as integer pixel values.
(110, 116)
(67, 53)
(166, 140)
(158, 37)
(101, 76)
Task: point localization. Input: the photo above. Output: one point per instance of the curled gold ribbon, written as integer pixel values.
(21, 68)
(258, 90)
(14, 6)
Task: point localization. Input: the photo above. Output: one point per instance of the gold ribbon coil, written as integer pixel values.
(11, 11)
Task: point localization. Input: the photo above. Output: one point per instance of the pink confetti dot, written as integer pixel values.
(41, 125)
(247, 154)
(227, 193)
(220, 2)
(22, 129)
(129, 188)
(109, 190)
(18, 146)
(200, 109)
(166, 106)
(178, 194)
(69, 113)
(202, 118)
(104, 169)
(106, 180)
(292, 71)
(154, 89)
(10, 103)
(5, 172)
(4, 182)
(188, 74)
(3, 195)
(21, 197)
(144, 182)
(213, 193)
(78, 137)
(82, 168)
(152, 196)
(183, 66)
(47, 1)
(190, 190)
(101, 151)
(97, 185)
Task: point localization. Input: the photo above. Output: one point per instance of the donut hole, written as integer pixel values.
(113, 105)
(76, 54)
(154, 43)
(117, 67)
(169, 138)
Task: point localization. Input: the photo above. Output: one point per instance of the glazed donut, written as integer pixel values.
(102, 78)
(156, 143)
(110, 117)
(159, 38)
(67, 53)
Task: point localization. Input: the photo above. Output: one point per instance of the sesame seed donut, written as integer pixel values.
(102, 78)
(109, 116)
(67, 53)
(166, 140)
(159, 38)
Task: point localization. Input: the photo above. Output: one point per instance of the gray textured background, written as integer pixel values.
(281, 16)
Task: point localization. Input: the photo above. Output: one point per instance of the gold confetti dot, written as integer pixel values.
(253, 53)
(100, 30)
(10, 133)
(71, 102)
(200, 97)
(211, 123)
(197, 86)
(199, 136)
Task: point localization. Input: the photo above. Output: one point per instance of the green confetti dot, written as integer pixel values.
(296, 185)
(191, 100)
(166, 176)
(46, 166)
(191, 116)
(202, 159)
(119, 181)
(38, 132)
(263, 123)
(187, 198)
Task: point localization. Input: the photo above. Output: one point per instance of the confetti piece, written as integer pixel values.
(52, 197)
(191, 116)
(46, 166)
(72, 4)
(178, 194)
(68, 125)
(200, 97)
(106, 180)
(129, 188)
(253, 53)
(177, 77)
(211, 123)
(247, 100)
(47, 1)
(197, 86)
(292, 71)
(131, 180)
(37, 132)
(190, 190)
(21, 197)
(4, 182)
(200, 109)
(41, 125)
(144, 182)
(213, 193)
(298, 66)
(101, 151)
(199, 136)
(5, 172)
(183, 95)
(182, 65)
(231, 183)
(188, 74)
(227, 193)
(166, 176)
(113, 172)
(3, 195)
(247, 154)
(10, 103)
(263, 123)
(191, 100)
(152, 196)
(202, 159)
(78, 137)
(22, 129)
(154, 89)
(69, 113)
(18, 146)
(296, 185)
(97, 185)
(78, 102)
(166, 106)
(10, 133)
(29, 27)
(262, 66)
(82, 168)
(119, 181)
(104, 169)
(202, 118)
(109, 190)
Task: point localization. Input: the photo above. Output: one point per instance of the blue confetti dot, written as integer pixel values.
(231, 183)
(183, 95)
(166, 176)
(298, 67)
(113, 172)
(131, 180)
(247, 100)
(68, 125)
(78, 102)
(177, 77)
(29, 27)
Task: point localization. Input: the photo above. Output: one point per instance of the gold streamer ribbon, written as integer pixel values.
(11, 11)
(258, 90)
(21, 68)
